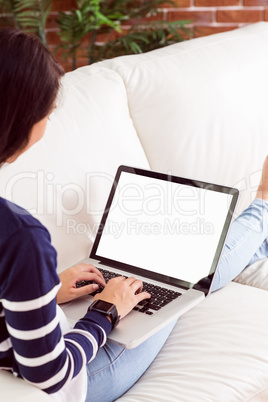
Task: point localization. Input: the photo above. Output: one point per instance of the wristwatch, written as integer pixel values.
(107, 309)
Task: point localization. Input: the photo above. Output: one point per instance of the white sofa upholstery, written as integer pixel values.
(197, 109)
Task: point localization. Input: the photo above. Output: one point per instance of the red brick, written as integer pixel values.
(265, 15)
(57, 54)
(63, 5)
(58, 57)
(67, 65)
(216, 3)
(210, 30)
(51, 21)
(53, 38)
(134, 21)
(81, 62)
(178, 3)
(197, 17)
(255, 3)
(239, 16)
(105, 37)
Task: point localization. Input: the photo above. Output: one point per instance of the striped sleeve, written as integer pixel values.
(34, 343)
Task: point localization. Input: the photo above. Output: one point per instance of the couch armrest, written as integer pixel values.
(15, 389)
(255, 275)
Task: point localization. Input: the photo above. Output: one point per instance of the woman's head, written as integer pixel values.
(29, 82)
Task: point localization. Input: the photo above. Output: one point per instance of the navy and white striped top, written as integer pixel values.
(31, 343)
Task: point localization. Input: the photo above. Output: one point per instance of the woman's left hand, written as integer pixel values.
(80, 272)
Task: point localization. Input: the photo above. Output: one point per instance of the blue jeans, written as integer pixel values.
(115, 369)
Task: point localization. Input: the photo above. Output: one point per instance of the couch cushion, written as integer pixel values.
(255, 275)
(15, 389)
(218, 351)
(200, 107)
(64, 180)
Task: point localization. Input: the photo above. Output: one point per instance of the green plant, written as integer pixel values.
(143, 38)
(78, 23)
(28, 15)
(92, 18)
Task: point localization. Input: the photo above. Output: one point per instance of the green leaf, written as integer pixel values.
(79, 15)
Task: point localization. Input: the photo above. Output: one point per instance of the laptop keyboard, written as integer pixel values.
(160, 296)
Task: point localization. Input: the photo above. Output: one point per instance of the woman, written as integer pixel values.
(80, 365)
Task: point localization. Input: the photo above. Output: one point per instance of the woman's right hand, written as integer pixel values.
(125, 293)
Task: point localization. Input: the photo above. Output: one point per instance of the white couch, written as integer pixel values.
(197, 109)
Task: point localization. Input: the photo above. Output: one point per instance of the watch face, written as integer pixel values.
(103, 305)
(107, 309)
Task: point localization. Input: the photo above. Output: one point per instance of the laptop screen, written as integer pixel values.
(164, 227)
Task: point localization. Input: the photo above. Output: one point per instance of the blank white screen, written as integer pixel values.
(165, 227)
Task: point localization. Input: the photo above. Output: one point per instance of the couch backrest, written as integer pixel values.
(64, 180)
(200, 107)
(196, 109)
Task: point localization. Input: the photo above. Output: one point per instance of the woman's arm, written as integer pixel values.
(42, 355)
(29, 285)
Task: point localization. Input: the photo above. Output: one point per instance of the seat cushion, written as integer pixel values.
(255, 275)
(218, 351)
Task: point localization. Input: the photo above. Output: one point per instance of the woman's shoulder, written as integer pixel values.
(14, 218)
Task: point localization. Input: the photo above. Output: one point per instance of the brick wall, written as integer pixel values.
(207, 16)
(213, 16)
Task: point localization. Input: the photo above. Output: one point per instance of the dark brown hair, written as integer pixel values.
(29, 83)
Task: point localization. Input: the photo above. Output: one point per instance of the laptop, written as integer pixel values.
(167, 231)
